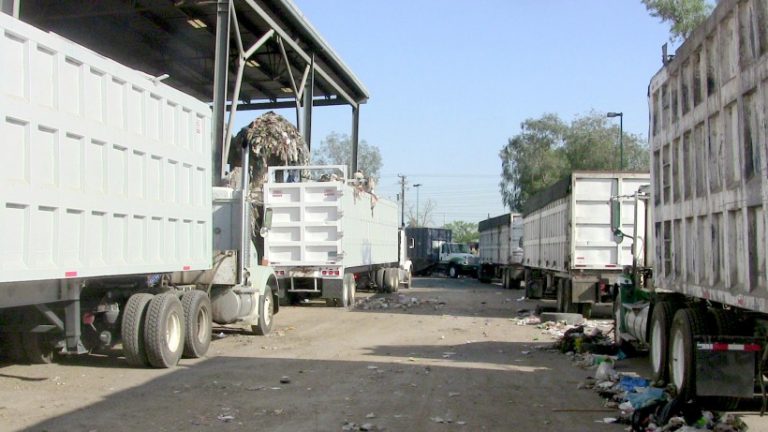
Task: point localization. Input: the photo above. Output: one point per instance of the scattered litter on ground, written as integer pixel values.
(398, 301)
(641, 405)
(285, 380)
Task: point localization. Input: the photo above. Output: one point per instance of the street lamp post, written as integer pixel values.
(620, 115)
(417, 185)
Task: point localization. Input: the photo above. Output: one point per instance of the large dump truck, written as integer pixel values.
(501, 250)
(702, 300)
(326, 235)
(111, 229)
(569, 251)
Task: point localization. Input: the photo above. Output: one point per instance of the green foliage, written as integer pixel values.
(463, 232)
(336, 149)
(547, 149)
(533, 159)
(684, 15)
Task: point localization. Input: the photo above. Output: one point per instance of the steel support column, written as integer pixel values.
(72, 329)
(355, 137)
(309, 85)
(221, 67)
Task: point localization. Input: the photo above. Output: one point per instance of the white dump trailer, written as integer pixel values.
(325, 235)
(569, 249)
(500, 249)
(110, 227)
(704, 297)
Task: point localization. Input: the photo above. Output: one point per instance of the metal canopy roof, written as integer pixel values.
(178, 38)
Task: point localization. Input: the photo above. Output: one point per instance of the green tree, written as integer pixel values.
(547, 149)
(592, 143)
(463, 232)
(532, 159)
(336, 149)
(684, 15)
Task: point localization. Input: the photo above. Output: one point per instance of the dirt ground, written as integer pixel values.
(456, 362)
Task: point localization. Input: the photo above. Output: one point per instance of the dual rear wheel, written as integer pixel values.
(158, 329)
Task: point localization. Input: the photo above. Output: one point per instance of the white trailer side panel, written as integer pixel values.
(328, 223)
(709, 128)
(499, 238)
(574, 232)
(104, 172)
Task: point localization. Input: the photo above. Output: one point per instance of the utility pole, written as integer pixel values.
(402, 200)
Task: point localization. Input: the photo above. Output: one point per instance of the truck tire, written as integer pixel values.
(266, 313)
(197, 323)
(132, 331)
(391, 279)
(379, 280)
(514, 283)
(453, 272)
(408, 279)
(658, 340)
(686, 324)
(505, 278)
(164, 331)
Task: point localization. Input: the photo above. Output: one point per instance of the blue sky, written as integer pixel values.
(450, 81)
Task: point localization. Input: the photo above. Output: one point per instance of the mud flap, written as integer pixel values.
(726, 367)
(333, 289)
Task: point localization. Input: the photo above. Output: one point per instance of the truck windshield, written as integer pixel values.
(458, 248)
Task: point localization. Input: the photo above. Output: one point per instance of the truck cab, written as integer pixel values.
(456, 259)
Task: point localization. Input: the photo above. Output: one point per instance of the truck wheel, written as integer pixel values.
(686, 323)
(453, 272)
(505, 278)
(618, 340)
(408, 279)
(661, 321)
(379, 275)
(164, 331)
(133, 322)
(266, 313)
(514, 283)
(391, 279)
(197, 323)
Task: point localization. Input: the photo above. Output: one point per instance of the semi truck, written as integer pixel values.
(424, 247)
(701, 300)
(501, 250)
(569, 250)
(111, 228)
(326, 235)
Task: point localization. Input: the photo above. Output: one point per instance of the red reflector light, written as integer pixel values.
(325, 273)
(185, 268)
(88, 318)
(336, 273)
(752, 347)
(70, 274)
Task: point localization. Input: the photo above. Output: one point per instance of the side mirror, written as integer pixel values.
(618, 236)
(267, 222)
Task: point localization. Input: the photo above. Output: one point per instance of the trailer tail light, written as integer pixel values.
(88, 318)
(325, 273)
(720, 347)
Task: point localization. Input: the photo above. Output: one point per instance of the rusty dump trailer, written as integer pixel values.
(702, 303)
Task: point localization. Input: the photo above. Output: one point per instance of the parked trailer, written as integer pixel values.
(110, 227)
(704, 299)
(325, 235)
(569, 249)
(501, 250)
(424, 247)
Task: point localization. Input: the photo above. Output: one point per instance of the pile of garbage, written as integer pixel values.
(641, 405)
(274, 141)
(398, 301)
(648, 408)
